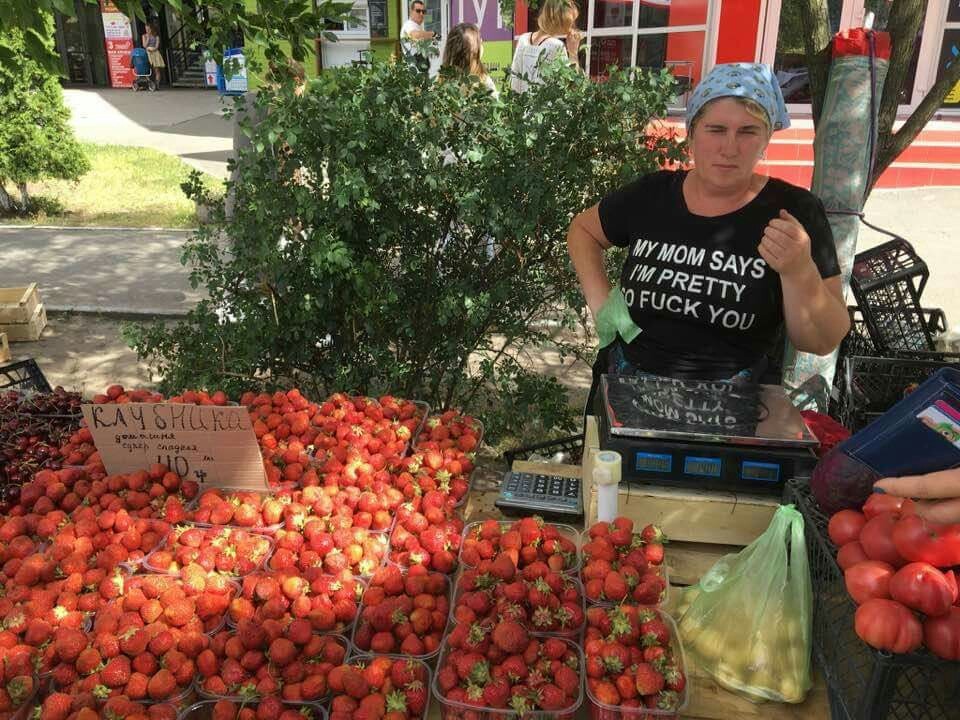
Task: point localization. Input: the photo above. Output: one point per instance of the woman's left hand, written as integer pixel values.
(785, 245)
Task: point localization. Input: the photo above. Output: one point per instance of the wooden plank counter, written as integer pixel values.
(686, 561)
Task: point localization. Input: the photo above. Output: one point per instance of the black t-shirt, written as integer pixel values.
(707, 304)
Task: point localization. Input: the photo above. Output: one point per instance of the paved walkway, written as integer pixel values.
(100, 271)
(185, 123)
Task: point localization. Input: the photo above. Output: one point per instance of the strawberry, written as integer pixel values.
(162, 685)
(496, 693)
(614, 587)
(652, 534)
(509, 636)
(56, 706)
(649, 680)
(116, 673)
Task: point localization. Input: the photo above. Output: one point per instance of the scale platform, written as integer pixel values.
(705, 435)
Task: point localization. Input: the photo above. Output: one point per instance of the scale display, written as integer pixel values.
(704, 434)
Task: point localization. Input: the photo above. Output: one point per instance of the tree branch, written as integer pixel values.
(816, 48)
(892, 144)
(904, 26)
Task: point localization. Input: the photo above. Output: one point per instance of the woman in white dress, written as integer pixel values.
(556, 36)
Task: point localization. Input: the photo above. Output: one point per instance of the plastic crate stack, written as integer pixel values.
(891, 346)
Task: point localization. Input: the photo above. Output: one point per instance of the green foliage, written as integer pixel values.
(395, 234)
(36, 140)
(277, 27)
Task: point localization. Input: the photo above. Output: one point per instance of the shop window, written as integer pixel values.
(790, 62)
(607, 51)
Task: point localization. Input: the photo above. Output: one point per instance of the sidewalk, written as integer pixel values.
(185, 123)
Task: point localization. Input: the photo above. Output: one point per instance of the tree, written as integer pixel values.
(395, 234)
(903, 24)
(277, 27)
(36, 140)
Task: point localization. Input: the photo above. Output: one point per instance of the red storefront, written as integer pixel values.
(690, 36)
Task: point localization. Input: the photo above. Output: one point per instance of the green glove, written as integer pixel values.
(614, 319)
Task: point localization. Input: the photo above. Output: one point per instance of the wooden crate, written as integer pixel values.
(4, 347)
(18, 305)
(28, 331)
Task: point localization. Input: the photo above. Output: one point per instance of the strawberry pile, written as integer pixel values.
(333, 547)
(370, 508)
(252, 510)
(428, 470)
(329, 603)
(268, 708)
(15, 691)
(429, 537)
(525, 542)
(450, 430)
(403, 612)
(379, 687)
(630, 661)
(619, 564)
(120, 395)
(508, 668)
(228, 550)
(541, 599)
(262, 659)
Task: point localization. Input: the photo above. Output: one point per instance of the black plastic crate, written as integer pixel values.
(866, 684)
(572, 444)
(887, 282)
(24, 376)
(872, 385)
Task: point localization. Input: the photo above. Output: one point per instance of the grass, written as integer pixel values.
(126, 187)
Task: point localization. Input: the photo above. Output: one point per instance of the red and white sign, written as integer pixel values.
(118, 38)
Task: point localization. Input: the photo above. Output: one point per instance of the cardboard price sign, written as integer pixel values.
(214, 445)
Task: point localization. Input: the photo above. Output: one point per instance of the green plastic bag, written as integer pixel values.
(747, 622)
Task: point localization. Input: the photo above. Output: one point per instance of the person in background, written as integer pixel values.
(937, 494)
(151, 43)
(556, 36)
(413, 33)
(722, 261)
(463, 53)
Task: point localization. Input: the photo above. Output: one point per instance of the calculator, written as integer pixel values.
(526, 492)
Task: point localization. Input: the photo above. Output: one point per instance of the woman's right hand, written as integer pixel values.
(573, 42)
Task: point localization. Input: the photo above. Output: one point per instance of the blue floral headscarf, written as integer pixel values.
(753, 81)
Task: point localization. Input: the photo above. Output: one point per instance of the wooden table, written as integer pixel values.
(686, 561)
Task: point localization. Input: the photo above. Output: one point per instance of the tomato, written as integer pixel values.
(919, 540)
(888, 625)
(845, 526)
(851, 554)
(877, 540)
(867, 580)
(880, 503)
(922, 587)
(941, 635)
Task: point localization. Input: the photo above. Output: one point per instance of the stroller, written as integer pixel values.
(142, 72)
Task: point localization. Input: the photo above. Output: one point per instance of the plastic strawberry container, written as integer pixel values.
(361, 660)
(147, 564)
(454, 710)
(340, 639)
(426, 656)
(286, 487)
(571, 634)
(462, 501)
(662, 570)
(602, 711)
(203, 710)
(346, 630)
(567, 531)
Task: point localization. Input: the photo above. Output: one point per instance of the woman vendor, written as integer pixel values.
(721, 260)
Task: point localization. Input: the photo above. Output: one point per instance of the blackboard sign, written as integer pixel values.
(378, 18)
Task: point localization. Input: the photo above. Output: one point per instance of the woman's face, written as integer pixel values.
(727, 143)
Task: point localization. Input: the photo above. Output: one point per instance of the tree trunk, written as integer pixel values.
(906, 17)
(24, 197)
(7, 205)
(816, 47)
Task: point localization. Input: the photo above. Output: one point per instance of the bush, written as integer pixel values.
(392, 233)
(36, 140)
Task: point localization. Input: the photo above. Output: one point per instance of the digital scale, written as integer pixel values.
(705, 435)
(551, 496)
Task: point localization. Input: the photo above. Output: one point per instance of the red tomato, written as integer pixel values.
(845, 526)
(919, 540)
(880, 503)
(920, 586)
(941, 635)
(868, 580)
(851, 554)
(888, 625)
(877, 540)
